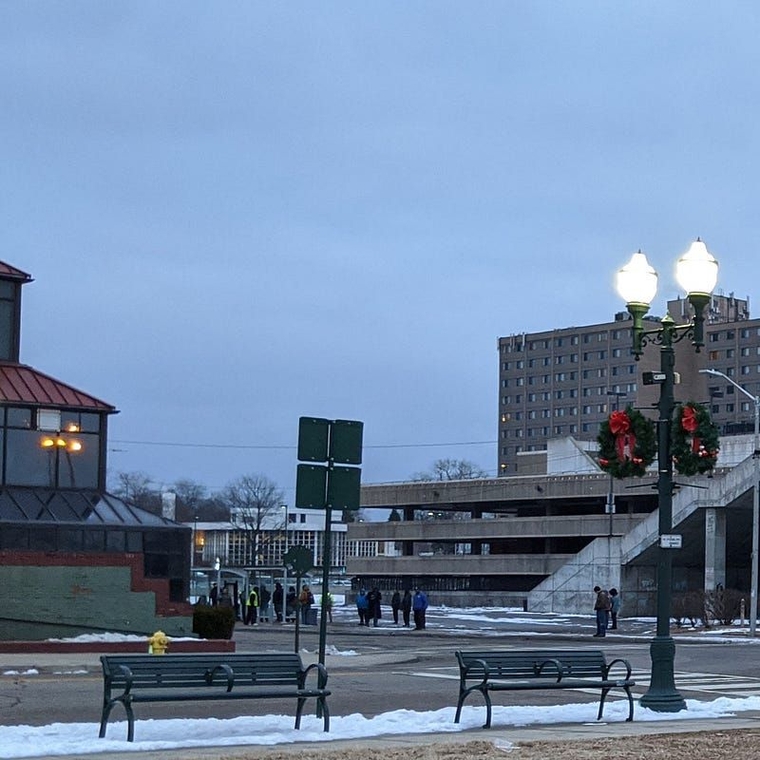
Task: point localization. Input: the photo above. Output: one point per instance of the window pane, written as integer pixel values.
(19, 417)
(26, 462)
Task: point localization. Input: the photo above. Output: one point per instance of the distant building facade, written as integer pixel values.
(566, 381)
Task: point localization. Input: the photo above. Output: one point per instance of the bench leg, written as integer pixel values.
(104, 719)
(487, 724)
(130, 718)
(464, 694)
(299, 710)
(601, 703)
(630, 703)
(628, 694)
(322, 702)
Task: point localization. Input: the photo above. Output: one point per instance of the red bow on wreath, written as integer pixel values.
(625, 440)
(690, 424)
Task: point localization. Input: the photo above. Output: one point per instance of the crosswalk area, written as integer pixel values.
(686, 682)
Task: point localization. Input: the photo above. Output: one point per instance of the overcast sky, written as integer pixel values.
(240, 213)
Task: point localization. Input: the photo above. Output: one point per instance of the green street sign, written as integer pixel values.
(310, 486)
(343, 485)
(313, 435)
(346, 441)
(298, 559)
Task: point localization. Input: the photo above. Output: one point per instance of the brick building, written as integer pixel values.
(73, 558)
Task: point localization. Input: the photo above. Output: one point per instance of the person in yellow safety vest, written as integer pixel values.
(252, 606)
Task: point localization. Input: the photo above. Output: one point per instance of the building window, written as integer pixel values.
(714, 355)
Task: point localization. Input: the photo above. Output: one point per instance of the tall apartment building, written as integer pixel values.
(565, 382)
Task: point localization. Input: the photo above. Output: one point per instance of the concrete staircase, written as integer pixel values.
(600, 563)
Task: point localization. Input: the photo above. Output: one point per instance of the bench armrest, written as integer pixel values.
(555, 665)
(617, 661)
(226, 669)
(480, 665)
(127, 673)
(321, 675)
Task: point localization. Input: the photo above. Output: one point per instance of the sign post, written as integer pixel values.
(325, 486)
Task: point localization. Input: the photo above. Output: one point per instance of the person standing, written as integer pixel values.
(601, 608)
(291, 602)
(329, 602)
(615, 602)
(277, 597)
(264, 598)
(305, 600)
(213, 595)
(374, 598)
(395, 605)
(419, 606)
(251, 607)
(406, 606)
(362, 607)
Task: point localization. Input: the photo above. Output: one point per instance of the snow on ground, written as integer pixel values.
(81, 739)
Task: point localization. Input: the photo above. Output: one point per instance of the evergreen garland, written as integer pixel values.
(627, 443)
(694, 439)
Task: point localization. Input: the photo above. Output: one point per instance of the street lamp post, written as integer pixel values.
(696, 272)
(755, 497)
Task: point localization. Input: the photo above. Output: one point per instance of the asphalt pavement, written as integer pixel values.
(380, 668)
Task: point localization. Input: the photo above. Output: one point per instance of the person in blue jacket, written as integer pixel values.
(419, 605)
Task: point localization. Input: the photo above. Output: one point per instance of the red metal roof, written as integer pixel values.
(25, 385)
(9, 272)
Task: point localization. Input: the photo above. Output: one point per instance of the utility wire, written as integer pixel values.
(271, 447)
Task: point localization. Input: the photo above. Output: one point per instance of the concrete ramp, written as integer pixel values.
(600, 563)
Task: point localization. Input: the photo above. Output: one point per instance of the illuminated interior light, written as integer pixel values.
(60, 441)
(46, 443)
(72, 427)
(75, 446)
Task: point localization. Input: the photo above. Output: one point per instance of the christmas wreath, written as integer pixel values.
(694, 439)
(627, 443)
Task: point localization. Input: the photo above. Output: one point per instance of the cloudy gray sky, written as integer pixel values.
(240, 213)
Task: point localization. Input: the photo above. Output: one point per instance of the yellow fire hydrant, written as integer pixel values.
(158, 643)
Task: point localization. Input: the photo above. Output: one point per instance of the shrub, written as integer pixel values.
(213, 622)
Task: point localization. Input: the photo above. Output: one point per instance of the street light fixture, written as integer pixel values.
(755, 497)
(636, 282)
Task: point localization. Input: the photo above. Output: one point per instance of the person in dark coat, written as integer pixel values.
(395, 606)
(374, 598)
(277, 597)
(406, 606)
(290, 604)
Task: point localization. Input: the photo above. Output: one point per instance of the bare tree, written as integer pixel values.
(135, 488)
(254, 504)
(452, 469)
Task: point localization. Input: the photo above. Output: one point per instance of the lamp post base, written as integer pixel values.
(662, 695)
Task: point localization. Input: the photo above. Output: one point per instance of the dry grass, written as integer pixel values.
(715, 745)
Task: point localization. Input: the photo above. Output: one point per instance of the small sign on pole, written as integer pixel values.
(671, 541)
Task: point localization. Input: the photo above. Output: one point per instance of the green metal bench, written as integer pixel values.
(527, 669)
(128, 679)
